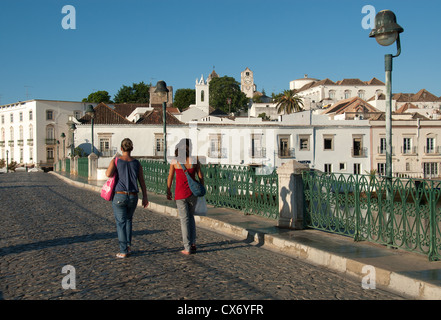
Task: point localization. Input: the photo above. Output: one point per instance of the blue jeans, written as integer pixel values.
(123, 208)
(188, 226)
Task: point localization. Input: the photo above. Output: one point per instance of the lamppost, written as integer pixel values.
(72, 146)
(386, 32)
(91, 112)
(161, 87)
(63, 136)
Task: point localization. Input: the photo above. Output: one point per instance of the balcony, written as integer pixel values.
(286, 153)
(217, 153)
(51, 142)
(11, 143)
(2, 143)
(434, 151)
(20, 143)
(359, 152)
(30, 142)
(257, 152)
(408, 150)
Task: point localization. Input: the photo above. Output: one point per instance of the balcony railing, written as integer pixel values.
(257, 152)
(51, 142)
(359, 152)
(30, 142)
(11, 143)
(286, 153)
(20, 143)
(407, 150)
(434, 150)
(217, 153)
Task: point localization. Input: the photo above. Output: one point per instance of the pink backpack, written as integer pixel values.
(108, 189)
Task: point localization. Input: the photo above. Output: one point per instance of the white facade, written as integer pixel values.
(319, 93)
(30, 131)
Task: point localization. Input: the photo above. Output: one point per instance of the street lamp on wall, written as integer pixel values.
(161, 87)
(63, 136)
(386, 32)
(91, 112)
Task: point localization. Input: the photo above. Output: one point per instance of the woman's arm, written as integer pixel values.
(145, 201)
(111, 168)
(171, 174)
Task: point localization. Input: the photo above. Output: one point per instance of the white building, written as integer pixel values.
(320, 93)
(31, 131)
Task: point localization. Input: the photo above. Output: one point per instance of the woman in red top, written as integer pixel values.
(185, 200)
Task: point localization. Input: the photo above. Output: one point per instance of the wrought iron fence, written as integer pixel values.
(237, 187)
(83, 167)
(401, 213)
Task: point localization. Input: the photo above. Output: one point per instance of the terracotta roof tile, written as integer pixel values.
(105, 115)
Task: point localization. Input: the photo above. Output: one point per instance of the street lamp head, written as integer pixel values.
(63, 135)
(90, 111)
(386, 30)
(161, 87)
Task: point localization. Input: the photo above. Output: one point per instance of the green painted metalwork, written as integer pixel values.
(400, 213)
(237, 187)
(83, 167)
(67, 160)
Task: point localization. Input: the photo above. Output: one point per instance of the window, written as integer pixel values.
(12, 118)
(77, 114)
(328, 142)
(284, 146)
(216, 150)
(105, 146)
(382, 146)
(159, 144)
(30, 115)
(381, 168)
(20, 116)
(202, 96)
(342, 166)
(357, 168)
(331, 94)
(3, 119)
(357, 150)
(347, 94)
(257, 151)
(49, 115)
(304, 143)
(50, 154)
(430, 169)
(430, 145)
(407, 145)
(361, 94)
(328, 168)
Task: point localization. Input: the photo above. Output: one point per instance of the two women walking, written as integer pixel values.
(125, 200)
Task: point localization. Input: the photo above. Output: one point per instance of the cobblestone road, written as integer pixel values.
(47, 224)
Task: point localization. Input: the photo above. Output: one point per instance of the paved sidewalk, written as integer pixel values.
(405, 273)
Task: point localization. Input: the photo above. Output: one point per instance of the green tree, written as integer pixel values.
(184, 98)
(224, 88)
(98, 96)
(289, 102)
(137, 93)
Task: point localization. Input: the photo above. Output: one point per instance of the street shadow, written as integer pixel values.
(45, 244)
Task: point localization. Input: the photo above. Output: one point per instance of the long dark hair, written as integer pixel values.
(183, 148)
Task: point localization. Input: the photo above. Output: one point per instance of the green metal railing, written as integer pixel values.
(83, 167)
(237, 187)
(400, 213)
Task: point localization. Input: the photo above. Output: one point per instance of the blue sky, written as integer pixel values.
(120, 42)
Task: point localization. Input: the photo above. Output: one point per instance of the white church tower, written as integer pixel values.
(202, 94)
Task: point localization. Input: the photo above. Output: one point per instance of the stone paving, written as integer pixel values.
(47, 225)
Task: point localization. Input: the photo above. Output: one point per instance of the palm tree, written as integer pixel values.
(289, 102)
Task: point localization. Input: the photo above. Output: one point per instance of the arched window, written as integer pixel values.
(202, 96)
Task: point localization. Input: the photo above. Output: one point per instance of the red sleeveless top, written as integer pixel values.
(182, 190)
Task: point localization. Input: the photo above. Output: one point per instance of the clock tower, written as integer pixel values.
(247, 83)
